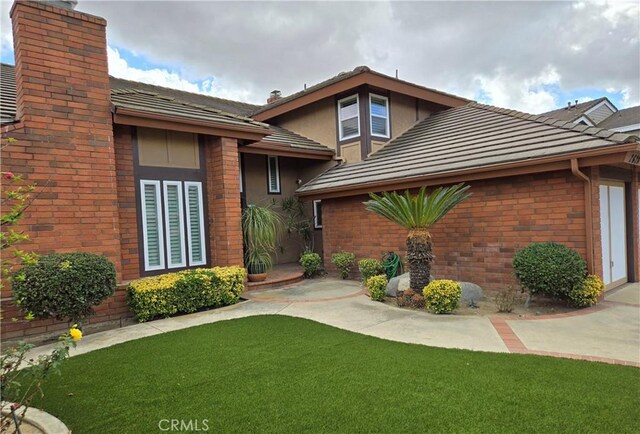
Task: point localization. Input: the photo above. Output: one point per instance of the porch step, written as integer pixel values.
(278, 277)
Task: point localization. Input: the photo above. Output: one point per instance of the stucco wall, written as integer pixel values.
(316, 121)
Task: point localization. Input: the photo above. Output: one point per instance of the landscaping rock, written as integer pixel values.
(471, 293)
(400, 283)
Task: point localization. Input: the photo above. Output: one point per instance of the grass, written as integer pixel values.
(281, 374)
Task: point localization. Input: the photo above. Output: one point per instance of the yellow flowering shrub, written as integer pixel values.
(185, 291)
(587, 294)
(377, 287)
(442, 296)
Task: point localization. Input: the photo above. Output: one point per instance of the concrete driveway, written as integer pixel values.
(608, 332)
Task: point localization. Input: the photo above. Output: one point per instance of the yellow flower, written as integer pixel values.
(75, 333)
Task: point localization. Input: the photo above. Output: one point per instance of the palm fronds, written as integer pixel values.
(261, 228)
(420, 211)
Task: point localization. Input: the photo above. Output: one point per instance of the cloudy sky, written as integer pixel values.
(530, 56)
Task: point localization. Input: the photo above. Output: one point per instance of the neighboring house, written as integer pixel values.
(600, 113)
(156, 178)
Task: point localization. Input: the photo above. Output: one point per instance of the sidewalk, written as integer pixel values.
(608, 332)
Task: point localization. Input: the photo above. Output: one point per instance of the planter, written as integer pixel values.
(260, 277)
(36, 421)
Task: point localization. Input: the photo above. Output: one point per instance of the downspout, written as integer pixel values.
(588, 211)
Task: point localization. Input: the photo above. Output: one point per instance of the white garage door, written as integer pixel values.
(613, 229)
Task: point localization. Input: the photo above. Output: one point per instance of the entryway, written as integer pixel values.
(613, 230)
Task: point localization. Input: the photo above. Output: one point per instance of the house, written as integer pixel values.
(600, 113)
(155, 178)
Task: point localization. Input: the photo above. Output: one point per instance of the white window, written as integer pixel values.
(317, 214)
(174, 223)
(273, 168)
(165, 235)
(349, 117)
(195, 223)
(379, 109)
(153, 237)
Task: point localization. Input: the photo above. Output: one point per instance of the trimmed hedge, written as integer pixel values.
(64, 286)
(377, 287)
(343, 262)
(310, 261)
(549, 268)
(587, 294)
(370, 267)
(185, 291)
(442, 296)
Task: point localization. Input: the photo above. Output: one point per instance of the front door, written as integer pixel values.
(613, 230)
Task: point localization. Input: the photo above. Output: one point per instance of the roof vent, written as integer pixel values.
(274, 96)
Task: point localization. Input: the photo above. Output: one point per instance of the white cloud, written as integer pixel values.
(504, 89)
(119, 67)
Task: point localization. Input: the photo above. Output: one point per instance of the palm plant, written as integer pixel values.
(418, 213)
(261, 228)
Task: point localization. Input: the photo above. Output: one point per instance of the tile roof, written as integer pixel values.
(283, 136)
(225, 105)
(7, 94)
(622, 118)
(150, 102)
(573, 113)
(336, 79)
(464, 138)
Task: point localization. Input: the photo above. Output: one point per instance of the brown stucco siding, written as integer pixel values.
(316, 121)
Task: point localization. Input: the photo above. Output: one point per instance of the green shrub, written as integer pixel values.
(505, 299)
(370, 267)
(549, 268)
(587, 294)
(442, 296)
(185, 291)
(64, 286)
(343, 261)
(310, 261)
(377, 287)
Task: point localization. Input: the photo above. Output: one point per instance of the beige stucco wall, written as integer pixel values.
(316, 121)
(403, 113)
(291, 169)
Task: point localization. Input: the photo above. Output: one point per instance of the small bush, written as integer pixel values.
(185, 291)
(64, 286)
(377, 287)
(370, 267)
(549, 268)
(311, 263)
(343, 261)
(587, 294)
(505, 299)
(442, 296)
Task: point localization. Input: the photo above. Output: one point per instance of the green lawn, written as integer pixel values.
(279, 374)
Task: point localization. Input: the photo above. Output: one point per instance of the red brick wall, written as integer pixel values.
(477, 240)
(65, 141)
(223, 189)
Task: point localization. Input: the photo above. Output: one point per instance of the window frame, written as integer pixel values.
(203, 240)
(181, 223)
(371, 116)
(278, 181)
(341, 135)
(160, 229)
(315, 213)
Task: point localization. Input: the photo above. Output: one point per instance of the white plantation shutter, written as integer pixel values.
(173, 210)
(152, 225)
(274, 174)
(195, 223)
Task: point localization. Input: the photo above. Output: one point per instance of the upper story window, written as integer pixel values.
(379, 109)
(349, 117)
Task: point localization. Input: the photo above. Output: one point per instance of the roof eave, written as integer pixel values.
(141, 118)
(283, 150)
(366, 77)
(609, 155)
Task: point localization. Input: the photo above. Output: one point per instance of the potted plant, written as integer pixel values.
(261, 228)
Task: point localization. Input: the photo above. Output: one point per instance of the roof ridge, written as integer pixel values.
(567, 125)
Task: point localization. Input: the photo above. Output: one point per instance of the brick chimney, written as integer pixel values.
(274, 96)
(65, 133)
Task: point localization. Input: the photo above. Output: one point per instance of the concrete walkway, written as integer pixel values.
(609, 332)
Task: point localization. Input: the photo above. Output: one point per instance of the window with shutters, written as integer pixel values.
(349, 117)
(173, 226)
(379, 110)
(273, 174)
